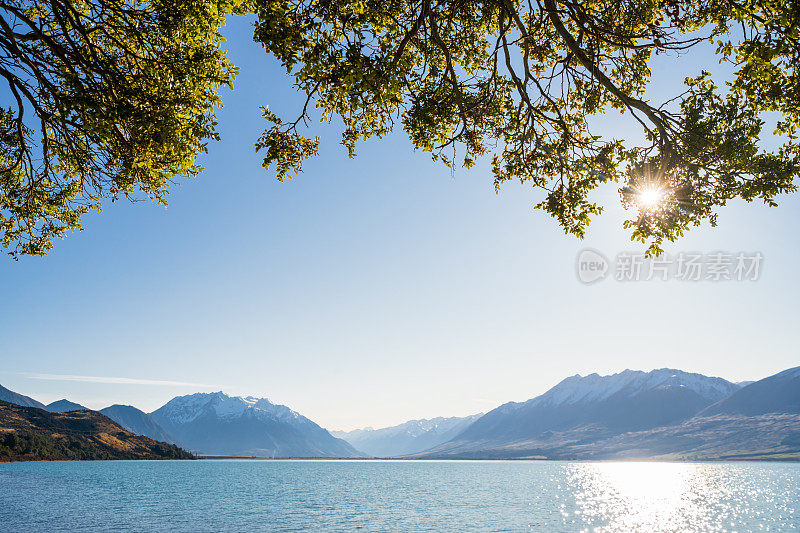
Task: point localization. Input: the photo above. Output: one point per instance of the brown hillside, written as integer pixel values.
(31, 434)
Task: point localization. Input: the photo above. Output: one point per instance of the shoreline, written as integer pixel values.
(485, 459)
(416, 460)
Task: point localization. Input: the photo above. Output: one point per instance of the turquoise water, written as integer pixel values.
(398, 496)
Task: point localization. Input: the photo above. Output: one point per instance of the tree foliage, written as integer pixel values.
(115, 97)
(108, 98)
(521, 82)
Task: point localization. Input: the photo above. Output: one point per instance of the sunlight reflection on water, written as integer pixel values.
(395, 496)
(639, 496)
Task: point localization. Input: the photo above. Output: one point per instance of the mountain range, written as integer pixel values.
(661, 414)
(665, 413)
(627, 401)
(218, 424)
(407, 438)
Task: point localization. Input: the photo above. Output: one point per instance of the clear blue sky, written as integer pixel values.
(374, 290)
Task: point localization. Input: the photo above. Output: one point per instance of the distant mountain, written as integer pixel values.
(776, 394)
(588, 409)
(410, 437)
(139, 422)
(759, 421)
(33, 434)
(64, 406)
(18, 399)
(717, 437)
(218, 424)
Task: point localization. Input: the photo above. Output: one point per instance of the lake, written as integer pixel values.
(255, 495)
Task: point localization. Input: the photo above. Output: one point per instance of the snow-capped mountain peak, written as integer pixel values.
(409, 437)
(219, 424)
(184, 409)
(579, 389)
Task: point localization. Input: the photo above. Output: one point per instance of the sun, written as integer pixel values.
(650, 197)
